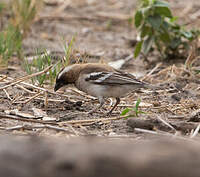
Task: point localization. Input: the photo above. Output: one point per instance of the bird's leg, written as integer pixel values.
(117, 102)
(101, 101)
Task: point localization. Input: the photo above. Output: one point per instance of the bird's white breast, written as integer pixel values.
(99, 90)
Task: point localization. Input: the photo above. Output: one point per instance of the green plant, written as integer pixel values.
(10, 42)
(158, 30)
(133, 111)
(68, 47)
(10, 39)
(2, 8)
(23, 13)
(21, 17)
(39, 63)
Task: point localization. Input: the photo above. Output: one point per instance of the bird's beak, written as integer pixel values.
(57, 86)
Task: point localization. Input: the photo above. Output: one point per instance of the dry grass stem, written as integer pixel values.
(3, 78)
(31, 127)
(7, 94)
(82, 122)
(195, 132)
(46, 100)
(17, 98)
(82, 94)
(26, 77)
(33, 97)
(26, 120)
(166, 123)
(151, 72)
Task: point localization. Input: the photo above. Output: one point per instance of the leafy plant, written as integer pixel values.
(133, 111)
(39, 63)
(158, 30)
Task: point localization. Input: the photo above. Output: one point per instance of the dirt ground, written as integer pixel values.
(103, 34)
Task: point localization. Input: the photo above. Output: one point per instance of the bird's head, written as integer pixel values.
(67, 75)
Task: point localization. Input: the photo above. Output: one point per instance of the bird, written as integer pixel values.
(99, 80)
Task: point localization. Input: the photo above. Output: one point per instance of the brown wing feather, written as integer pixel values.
(113, 78)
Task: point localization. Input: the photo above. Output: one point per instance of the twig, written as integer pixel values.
(46, 100)
(91, 120)
(31, 98)
(145, 131)
(150, 73)
(99, 17)
(43, 89)
(82, 94)
(54, 128)
(25, 120)
(166, 123)
(19, 86)
(18, 127)
(7, 94)
(67, 17)
(196, 131)
(176, 116)
(27, 77)
(25, 89)
(39, 88)
(4, 77)
(49, 100)
(16, 98)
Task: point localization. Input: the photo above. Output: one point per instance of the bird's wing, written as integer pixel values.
(112, 78)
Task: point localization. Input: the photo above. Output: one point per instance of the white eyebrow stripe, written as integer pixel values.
(101, 79)
(68, 68)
